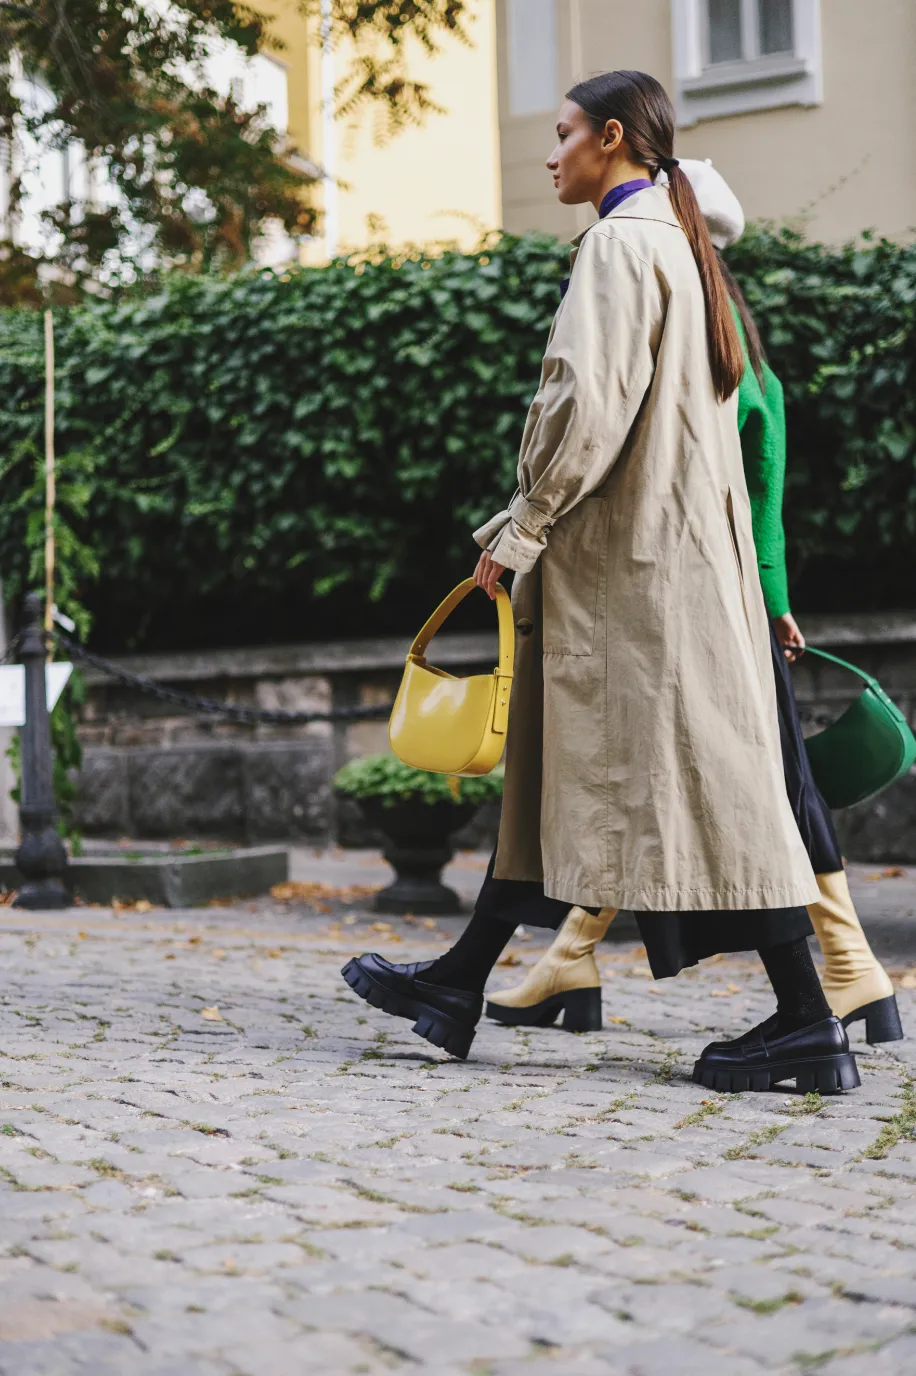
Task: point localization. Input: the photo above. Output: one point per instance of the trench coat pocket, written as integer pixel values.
(736, 550)
(574, 577)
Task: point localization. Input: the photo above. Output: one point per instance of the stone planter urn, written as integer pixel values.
(417, 844)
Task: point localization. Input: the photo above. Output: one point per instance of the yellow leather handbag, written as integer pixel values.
(450, 725)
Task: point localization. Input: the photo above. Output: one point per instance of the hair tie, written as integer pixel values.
(667, 165)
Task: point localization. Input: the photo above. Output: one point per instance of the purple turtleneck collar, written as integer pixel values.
(618, 194)
(615, 197)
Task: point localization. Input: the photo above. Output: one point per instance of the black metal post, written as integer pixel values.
(41, 858)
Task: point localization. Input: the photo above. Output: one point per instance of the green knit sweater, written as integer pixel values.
(762, 423)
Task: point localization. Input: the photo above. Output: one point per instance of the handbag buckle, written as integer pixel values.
(501, 702)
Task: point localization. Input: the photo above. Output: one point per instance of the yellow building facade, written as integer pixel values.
(807, 107)
(435, 182)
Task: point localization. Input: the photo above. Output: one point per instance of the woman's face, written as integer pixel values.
(579, 163)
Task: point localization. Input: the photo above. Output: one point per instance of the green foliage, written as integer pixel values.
(304, 455)
(386, 778)
(262, 441)
(197, 175)
(839, 325)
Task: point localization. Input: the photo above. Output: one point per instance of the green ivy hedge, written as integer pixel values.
(304, 455)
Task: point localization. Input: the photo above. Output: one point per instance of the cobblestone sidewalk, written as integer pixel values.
(215, 1160)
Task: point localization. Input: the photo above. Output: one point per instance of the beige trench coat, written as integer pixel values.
(643, 765)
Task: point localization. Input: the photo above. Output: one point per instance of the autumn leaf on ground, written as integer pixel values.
(211, 1014)
(510, 958)
(909, 980)
(380, 926)
(894, 872)
(129, 905)
(318, 895)
(623, 1021)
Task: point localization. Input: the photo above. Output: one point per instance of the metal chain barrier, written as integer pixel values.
(379, 712)
(143, 684)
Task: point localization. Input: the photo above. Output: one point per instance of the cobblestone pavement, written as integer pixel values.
(214, 1159)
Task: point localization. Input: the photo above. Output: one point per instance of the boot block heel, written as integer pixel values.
(881, 1018)
(830, 1077)
(582, 1010)
(455, 1040)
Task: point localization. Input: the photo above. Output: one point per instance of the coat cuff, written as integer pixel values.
(491, 530)
(516, 537)
(516, 549)
(529, 518)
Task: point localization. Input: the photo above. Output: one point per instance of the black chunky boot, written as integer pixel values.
(817, 1058)
(444, 1016)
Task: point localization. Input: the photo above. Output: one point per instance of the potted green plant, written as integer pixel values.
(418, 814)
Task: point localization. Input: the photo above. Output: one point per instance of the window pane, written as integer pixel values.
(532, 36)
(776, 26)
(724, 30)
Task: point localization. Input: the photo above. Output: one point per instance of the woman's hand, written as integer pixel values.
(488, 573)
(789, 636)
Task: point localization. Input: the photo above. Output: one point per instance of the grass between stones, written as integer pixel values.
(768, 1306)
(756, 1139)
(707, 1109)
(901, 1125)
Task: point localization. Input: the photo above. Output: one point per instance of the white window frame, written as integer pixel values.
(522, 103)
(705, 90)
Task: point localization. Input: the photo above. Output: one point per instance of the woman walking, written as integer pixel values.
(643, 764)
(566, 979)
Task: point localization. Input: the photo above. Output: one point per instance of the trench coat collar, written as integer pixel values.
(652, 203)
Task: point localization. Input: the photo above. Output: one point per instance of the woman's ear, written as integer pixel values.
(612, 136)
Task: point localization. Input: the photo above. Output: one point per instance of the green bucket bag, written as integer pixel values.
(866, 749)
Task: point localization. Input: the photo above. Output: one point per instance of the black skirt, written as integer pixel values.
(675, 940)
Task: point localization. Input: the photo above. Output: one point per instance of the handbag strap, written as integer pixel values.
(444, 611)
(844, 664)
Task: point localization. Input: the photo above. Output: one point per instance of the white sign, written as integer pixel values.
(12, 690)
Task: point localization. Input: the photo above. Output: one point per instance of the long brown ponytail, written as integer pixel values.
(643, 108)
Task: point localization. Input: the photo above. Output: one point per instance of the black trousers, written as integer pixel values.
(674, 940)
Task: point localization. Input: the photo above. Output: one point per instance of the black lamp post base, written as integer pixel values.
(41, 858)
(42, 861)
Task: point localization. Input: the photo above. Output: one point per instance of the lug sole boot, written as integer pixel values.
(856, 985)
(565, 980)
(445, 1017)
(817, 1058)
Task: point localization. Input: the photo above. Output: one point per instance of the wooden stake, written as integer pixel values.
(50, 489)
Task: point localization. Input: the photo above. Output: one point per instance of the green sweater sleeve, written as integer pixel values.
(762, 425)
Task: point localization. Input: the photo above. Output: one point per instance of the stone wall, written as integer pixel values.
(152, 770)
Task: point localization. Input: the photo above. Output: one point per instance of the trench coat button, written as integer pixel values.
(524, 625)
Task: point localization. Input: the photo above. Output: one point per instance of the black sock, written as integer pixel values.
(470, 960)
(799, 997)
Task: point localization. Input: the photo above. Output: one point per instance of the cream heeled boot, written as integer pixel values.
(856, 984)
(565, 979)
